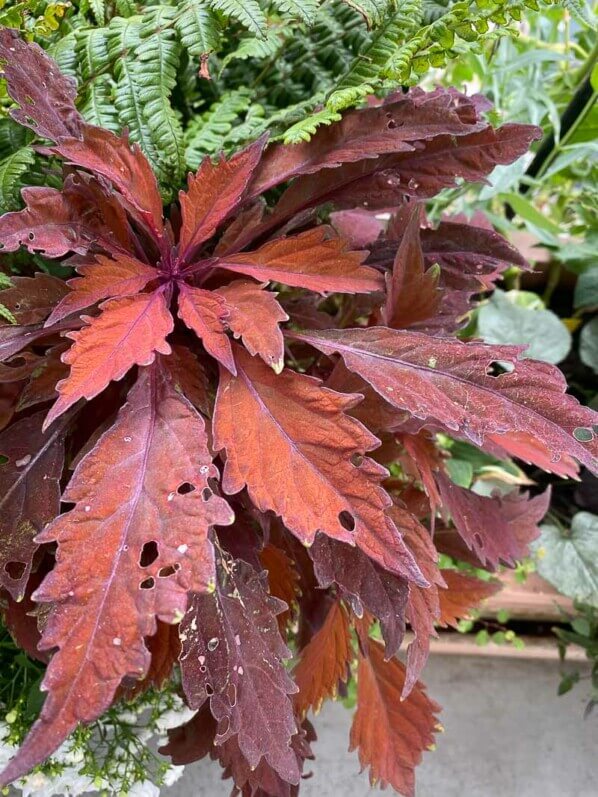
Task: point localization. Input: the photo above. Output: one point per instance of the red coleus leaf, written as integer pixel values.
(212, 194)
(32, 299)
(308, 471)
(364, 585)
(104, 278)
(412, 293)
(233, 654)
(315, 259)
(127, 332)
(497, 529)
(29, 494)
(324, 661)
(129, 551)
(390, 734)
(451, 383)
(462, 594)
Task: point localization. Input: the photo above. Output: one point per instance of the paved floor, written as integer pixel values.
(507, 735)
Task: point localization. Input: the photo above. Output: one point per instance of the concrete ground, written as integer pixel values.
(507, 735)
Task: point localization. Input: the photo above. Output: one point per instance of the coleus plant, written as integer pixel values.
(187, 484)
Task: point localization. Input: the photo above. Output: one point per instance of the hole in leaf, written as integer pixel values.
(347, 520)
(478, 540)
(209, 690)
(31, 236)
(165, 572)
(356, 460)
(147, 583)
(206, 494)
(583, 435)
(15, 570)
(185, 487)
(149, 554)
(497, 368)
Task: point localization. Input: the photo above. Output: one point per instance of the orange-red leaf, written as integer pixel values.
(462, 594)
(123, 276)
(316, 259)
(254, 315)
(128, 332)
(206, 312)
(135, 543)
(324, 661)
(283, 579)
(213, 193)
(391, 734)
(412, 292)
(291, 443)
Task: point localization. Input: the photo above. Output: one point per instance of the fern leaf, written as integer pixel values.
(251, 47)
(92, 51)
(305, 10)
(208, 133)
(198, 28)
(126, 8)
(98, 9)
(304, 130)
(12, 169)
(373, 11)
(63, 52)
(12, 136)
(580, 11)
(98, 106)
(247, 12)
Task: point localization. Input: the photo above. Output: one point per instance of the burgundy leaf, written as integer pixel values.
(206, 313)
(29, 494)
(128, 552)
(451, 383)
(31, 299)
(233, 654)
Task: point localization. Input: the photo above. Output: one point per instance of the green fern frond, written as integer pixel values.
(207, 134)
(126, 8)
(305, 10)
(198, 27)
(304, 130)
(63, 52)
(581, 12)
(373, 11)
(247, 12)
(5, 281)
(12, 136)
(98, 9)
(258, 49)
(12, 169)
(98, 106)
(92, 51)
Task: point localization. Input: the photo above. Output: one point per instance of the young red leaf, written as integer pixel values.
(41, 386)
(31, 299)
(450, 383)
(46, 97)
(306, 470)
(233, 654)
(315, 259)
(206, 313)
(254, 315)
(324, 661)
(412, 293)
(390, 734)
(127, 332)
(283, 579)
(497, 529)
(462, 594)
(364, 585)
(212, 194)
(128, 552)
(189, 377)
(29, 494)
(101, 279)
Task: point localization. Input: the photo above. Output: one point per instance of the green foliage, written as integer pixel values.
(582, 632)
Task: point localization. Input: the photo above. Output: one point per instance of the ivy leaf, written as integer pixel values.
(305, 471)
(29, 494)
(390, 734)
(451, 383)
(232, 655)
(324, 661)
(497, 529)
(127, 332)
(315, 259)
(126, 556)
(568, 558)
(104, 278)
